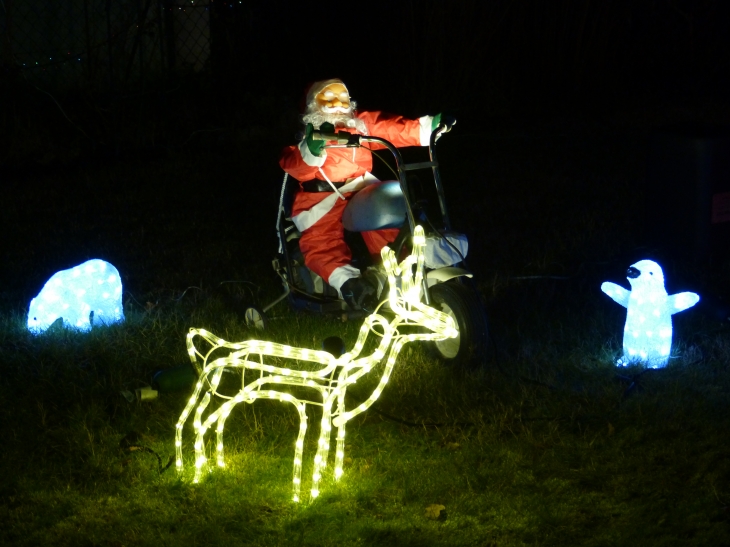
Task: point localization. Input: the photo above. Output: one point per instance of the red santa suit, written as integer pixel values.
(318, 215)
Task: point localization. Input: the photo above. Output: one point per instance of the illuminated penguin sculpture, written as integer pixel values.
(91, 291)
(649, 310)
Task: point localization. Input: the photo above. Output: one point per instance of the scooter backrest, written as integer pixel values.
(380, 205)
(291, 189)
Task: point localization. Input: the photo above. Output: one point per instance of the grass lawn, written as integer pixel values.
(546, 444)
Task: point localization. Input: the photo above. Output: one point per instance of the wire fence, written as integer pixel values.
(103, 44)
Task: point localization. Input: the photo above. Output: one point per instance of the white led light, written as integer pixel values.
(81, 295)
(649, 309)
(330, 381)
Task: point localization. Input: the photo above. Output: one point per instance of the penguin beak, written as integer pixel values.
(632, 273)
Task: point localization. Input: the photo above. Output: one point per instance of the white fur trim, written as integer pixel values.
(342, 274)
(309, 158)
(425, 133)
(307, 219)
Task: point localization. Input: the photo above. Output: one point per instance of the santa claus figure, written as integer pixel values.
(329, 177)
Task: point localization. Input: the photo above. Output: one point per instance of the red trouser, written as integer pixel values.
(323, 243)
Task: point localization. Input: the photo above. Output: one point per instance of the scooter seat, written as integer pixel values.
(380, 205)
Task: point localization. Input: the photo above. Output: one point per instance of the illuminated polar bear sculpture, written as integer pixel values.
(649, 310)
(91, 291)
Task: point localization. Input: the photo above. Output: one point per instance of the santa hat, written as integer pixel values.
(316, 87)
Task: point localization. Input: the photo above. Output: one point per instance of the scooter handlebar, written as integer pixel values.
(448, 122)
(341, 137)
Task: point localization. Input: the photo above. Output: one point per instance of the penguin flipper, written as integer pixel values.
(681, 301)
(617, 293)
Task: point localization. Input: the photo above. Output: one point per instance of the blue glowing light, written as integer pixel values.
(649, 310)
(90, 293)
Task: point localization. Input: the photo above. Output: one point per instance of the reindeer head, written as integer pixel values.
(406, 288)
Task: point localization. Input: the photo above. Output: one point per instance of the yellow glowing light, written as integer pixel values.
(330, 381)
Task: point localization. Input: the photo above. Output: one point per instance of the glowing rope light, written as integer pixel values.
(89, 291)
(649, 310)
(330, 381)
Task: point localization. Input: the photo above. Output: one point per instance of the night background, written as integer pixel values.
(86, 84)
(590, 135)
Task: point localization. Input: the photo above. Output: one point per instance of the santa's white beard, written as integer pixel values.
(337, 116)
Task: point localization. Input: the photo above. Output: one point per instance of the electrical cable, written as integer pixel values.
(130, 443)
(374, 153)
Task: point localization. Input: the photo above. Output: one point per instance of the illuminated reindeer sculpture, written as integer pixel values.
(330, 381)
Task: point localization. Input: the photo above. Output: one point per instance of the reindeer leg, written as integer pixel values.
(223, 413)
(323, 445)
(340, 450)
(299, 448)
(200, 458)
(181, 421)
(220, 416)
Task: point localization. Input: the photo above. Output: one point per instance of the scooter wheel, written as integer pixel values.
(470, 347)
(255, 319)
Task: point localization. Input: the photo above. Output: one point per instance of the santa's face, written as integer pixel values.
(334, 99)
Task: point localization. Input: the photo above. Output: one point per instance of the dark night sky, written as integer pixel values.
(475, 57)
(525, 55)
(470, 58)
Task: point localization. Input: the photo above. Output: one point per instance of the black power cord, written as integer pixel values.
(130, 442)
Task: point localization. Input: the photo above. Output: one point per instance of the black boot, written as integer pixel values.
(358, 293)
